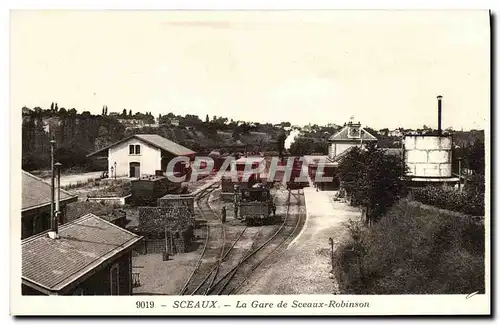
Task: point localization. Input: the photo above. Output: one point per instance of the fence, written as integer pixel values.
(150, 246)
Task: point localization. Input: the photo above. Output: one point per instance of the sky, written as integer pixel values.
(384, 68)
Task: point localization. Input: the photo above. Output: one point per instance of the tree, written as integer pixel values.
(372, 178)
(56, 108)
(130, 113)
(302, 146)
(52, 106)
(124, 113)
(475, 156)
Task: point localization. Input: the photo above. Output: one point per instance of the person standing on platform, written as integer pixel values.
(223, 214)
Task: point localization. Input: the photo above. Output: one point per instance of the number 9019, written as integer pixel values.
(144, 304)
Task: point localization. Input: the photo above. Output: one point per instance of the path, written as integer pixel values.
(305, 266)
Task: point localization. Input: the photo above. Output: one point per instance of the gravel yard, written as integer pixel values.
(303, 268)
(163, 277)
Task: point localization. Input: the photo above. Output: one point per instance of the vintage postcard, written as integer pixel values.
(250, 162)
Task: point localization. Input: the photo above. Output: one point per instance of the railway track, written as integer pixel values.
(212, 250)
(258, 253)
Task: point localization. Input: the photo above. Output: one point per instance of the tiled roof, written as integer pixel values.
(37, 193)
(156, 141)
(83, 245)
(346, 135)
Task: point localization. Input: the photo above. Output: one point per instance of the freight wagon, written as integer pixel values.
(148, 189)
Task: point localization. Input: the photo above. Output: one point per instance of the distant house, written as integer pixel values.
(174, 122)
(91, 257)
(395, 133)
(131, 122)
(349, 136)
(36, 199)
(141, 155)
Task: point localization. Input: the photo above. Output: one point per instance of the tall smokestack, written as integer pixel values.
(440, 98)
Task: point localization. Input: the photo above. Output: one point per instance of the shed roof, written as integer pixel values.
(84, 244)
(156, 141)
(37, 193)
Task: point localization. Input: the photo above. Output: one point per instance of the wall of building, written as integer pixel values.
(99, 284)
(149, 158)
(37, 220)
(428, 156)
(337, 148)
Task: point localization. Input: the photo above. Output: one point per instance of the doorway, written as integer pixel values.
(135, 169)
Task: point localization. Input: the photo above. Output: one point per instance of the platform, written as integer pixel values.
(304, 267)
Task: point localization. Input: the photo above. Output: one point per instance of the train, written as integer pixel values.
(256, 205)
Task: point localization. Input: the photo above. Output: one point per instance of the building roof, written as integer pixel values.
(352, 132)
(37, 193)
(84, 244)
(156, 141)
(244, 160)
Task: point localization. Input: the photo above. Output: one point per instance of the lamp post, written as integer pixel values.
(459, 174)
(330, 240)
(115, 169)
(111, 176)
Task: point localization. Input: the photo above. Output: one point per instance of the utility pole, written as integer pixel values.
(52, 188)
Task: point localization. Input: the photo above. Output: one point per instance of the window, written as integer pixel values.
(134, 149)
(114, 280)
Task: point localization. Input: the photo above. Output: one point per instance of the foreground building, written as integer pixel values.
(36, 199)
(141, 155)
(91, 257)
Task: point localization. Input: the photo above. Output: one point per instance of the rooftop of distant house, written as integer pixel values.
(84, 244)
(352, 132)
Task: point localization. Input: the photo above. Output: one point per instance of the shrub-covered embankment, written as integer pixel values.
(413, 251)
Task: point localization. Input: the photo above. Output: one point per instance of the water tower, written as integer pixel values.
(429, 156)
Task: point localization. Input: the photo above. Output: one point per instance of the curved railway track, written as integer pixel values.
(233, 279)
(211, 251)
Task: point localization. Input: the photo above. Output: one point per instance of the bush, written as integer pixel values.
(468, 201)
(413, 251)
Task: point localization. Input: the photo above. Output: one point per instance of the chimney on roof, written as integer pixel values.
(54, 231)
(439, 98)
(52, 234)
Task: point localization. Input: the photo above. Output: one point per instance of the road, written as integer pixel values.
(75, 178)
